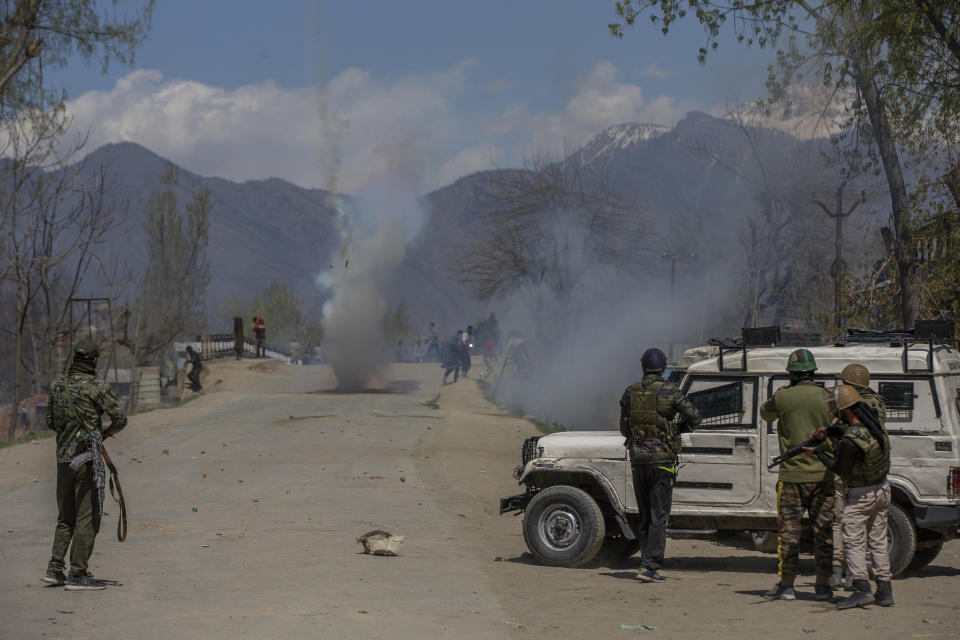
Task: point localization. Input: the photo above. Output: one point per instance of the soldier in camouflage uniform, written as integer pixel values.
(858, 450)
(647, 411)
(804, 484)
(77, 401)
(858, 377)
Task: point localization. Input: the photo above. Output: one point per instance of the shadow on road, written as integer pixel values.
(729, 564)
(932, 571)
(397, 386)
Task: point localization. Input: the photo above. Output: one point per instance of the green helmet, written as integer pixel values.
(801, 360)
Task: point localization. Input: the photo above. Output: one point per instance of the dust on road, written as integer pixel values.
(245, 506)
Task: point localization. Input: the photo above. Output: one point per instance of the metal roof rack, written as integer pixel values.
(929, 332)
(939, 332)
(727, 346)
(893, 337)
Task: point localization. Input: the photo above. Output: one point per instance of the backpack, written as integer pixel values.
(646, 423)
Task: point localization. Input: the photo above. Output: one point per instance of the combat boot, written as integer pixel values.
(860, 597)
(884, 594)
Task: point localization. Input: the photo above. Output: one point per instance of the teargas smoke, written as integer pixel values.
(586, 345)
(374, 231)
(354, 339)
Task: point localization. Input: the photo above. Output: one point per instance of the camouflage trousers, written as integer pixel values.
(78, 520)
(865, 528)
(793, 498)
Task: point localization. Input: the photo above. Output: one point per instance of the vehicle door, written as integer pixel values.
(921, 450)
(719, 462)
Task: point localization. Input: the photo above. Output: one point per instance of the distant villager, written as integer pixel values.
(452, 357)
(466, 344)
(196, 366)
(260, 331)
(432, 341)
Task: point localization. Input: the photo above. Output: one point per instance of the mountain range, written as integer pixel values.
(265, 230)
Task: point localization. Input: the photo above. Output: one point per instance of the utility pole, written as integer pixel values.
(674, 257)
(838, 215)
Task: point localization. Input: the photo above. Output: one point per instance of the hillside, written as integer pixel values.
(703, 172)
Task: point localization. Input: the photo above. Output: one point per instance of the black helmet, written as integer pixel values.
(654, 360)
(86, 349)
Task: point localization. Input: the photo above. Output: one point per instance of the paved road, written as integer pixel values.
(245, 505)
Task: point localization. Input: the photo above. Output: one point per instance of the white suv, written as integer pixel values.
(579, 491)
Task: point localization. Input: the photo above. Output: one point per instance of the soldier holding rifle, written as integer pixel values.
(803, 485)
(78, 399)
(858, 450)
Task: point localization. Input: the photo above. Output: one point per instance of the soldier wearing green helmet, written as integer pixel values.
(799, 410)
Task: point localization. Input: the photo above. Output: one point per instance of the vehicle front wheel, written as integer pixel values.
(563, 526)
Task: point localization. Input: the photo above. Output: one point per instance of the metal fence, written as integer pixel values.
(221, 345)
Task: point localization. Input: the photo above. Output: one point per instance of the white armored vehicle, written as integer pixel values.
(579, 491)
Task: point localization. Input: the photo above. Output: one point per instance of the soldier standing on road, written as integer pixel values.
(647, 410)
(803, 483)
(78, 399)
(858, 377)
(858, 450)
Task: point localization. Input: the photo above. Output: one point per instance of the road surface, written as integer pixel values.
(245, 505)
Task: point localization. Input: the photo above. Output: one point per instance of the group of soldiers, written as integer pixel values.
(840, 479)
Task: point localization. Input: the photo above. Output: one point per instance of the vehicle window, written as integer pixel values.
(898, 399)
(824, 381)
(676, 376)
(910, 404)
(723, 404)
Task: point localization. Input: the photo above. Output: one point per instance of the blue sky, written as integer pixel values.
(347, 95)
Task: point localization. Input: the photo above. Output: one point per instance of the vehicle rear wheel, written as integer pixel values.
(902, 538)
(924, 556)
(563, 526)
(765, 541)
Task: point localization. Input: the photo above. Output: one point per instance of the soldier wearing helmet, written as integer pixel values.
(647, 412)
(799, 410)
(77, 401)
(858, 377)
(858, 450)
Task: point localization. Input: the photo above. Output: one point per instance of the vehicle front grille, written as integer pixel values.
(529, 451)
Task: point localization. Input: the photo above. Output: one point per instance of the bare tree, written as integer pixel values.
(783, 236)
(54, 216)
(39, 34)
(170, 299)
(553, 225)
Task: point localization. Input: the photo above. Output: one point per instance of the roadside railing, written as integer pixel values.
(221, 345)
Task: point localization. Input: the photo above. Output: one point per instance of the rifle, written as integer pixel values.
(794, 451)
(117, 494)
